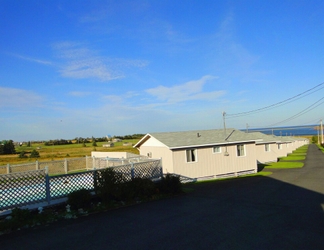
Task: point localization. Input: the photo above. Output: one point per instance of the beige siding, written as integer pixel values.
(264, 156)
(159, 152)
(281, 152)
(212, 164)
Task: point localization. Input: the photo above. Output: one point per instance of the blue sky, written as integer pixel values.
(91, 68)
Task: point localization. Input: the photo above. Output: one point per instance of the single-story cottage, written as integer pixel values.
(202, 153)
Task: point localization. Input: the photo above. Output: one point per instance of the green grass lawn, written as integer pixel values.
(287, 164)
(293, 158)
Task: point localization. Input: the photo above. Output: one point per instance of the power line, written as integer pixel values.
(291, 99)
(309, 108)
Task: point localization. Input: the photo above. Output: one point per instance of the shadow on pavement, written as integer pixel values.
(242, 213)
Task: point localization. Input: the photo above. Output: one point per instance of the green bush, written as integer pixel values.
(22, 154)
(139, 188)
(109, 185)
(20, 218)
(79, 199)
(170, 184)
(34, 154)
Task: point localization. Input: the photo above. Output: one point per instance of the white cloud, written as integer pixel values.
(191, 90)
(35, 60)
(18, 98)
(80, 62)
(79, 93)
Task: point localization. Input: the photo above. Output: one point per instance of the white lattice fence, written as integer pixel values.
(62, 185)
(26, 188)
(54, 167)
(3, 169)
(148, 169)
(22, 188)
(22, 167)
(74, 164)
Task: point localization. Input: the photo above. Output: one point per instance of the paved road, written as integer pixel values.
(281, 211)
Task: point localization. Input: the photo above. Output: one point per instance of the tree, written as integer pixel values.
(94, 143)
(314, 139)
(8, 148)
(34, 154)
(22, 154)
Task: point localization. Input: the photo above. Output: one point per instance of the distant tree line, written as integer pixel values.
(57, 142)
(128, 137)
(8, 146)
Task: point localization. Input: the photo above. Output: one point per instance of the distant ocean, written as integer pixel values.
(288, 131)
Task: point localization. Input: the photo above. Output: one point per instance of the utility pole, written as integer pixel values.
(224, 125)
(225, 137)
(321, 132)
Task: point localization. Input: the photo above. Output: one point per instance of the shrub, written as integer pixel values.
(139, 188)
(79, 199)
(109, 185)
(34, 154)
(22, 154)
(170, 184)
(20, 218)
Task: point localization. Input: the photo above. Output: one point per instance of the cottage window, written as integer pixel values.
(217, 149)
(279, 146)
(240, 150)
(191, 155)
(267, 147)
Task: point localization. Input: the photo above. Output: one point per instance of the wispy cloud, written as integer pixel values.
(35, 60)
(228, 51)
(18, 98)
(79, 93)
(81, 62)
(192, 90)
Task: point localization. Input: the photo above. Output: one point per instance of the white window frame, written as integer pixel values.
(191, 155)
(218, 151)
(267, 147)
(279, 146)
(240, 150)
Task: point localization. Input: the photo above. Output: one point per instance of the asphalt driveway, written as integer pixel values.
(280, 211)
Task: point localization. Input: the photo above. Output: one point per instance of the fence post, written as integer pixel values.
(107, 162)
(161, 167)
(65, 166)
(132, 170)
(8, 168)
(93, 162)
(47, 186)
(95, 183)
(37, 165)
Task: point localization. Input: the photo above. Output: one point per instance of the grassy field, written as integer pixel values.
(59, 152)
